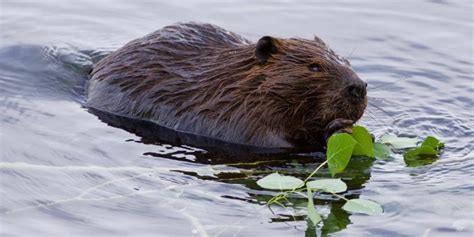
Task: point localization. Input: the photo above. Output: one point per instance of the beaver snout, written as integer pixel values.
(358, 90)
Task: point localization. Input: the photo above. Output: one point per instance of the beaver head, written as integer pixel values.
(308, 85)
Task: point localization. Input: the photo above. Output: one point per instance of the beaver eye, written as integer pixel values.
(314, 67)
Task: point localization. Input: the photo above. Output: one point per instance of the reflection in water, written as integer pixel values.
(218, 152)
(421, 160)
(251, 163)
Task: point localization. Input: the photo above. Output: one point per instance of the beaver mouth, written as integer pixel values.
(360, 109)
(338, 125)
(348, 114)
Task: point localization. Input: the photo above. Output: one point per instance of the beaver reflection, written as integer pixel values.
(216, 151)
(201, 79)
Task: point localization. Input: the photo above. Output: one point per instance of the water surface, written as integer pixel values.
(67, 172)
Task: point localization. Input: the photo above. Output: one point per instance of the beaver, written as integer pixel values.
(204, 80)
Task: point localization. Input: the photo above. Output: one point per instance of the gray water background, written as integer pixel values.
(63, 172)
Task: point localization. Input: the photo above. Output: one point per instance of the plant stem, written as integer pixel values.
(314, 172)
(341, 197)
(285, 194)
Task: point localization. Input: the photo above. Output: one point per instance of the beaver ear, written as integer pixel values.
(266, 46)
(320, 41)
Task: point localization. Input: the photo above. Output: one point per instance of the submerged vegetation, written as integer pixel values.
(341, 147)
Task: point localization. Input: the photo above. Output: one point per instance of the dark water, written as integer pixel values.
(67, 172)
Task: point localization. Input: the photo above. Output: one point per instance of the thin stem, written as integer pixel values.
(279, 204)
(341, 197)
(284, 195)
(302, 194)
(286, 199)
(316, 170)
(275, 198)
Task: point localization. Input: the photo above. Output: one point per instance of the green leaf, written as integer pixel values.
(433, 143)
(339, 152)
(420, 156)
(363, 206)
(336, 221)
(313, 214)
(364, 145)
(420, 151)
(328, 185)
(381, 151)
(399, 142)
(424, 155)
(276, 181)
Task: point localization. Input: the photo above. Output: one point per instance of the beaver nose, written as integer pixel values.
(358, 90)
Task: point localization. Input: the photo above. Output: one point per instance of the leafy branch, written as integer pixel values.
(340, 149)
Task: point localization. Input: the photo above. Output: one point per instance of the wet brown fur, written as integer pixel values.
(202, 79)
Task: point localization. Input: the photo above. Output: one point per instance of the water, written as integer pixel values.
(67, 172)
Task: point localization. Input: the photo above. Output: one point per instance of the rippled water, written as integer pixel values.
(66, 171)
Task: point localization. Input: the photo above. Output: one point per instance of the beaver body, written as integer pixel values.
(204, 80)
